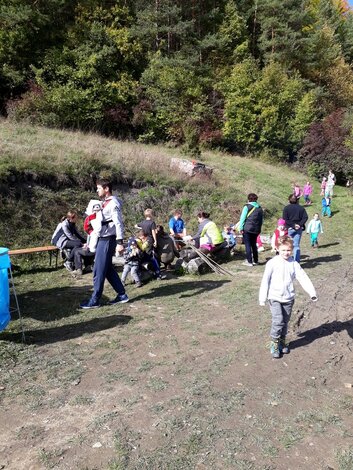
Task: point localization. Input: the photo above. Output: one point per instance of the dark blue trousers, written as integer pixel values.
(103, 268)
(251, 247)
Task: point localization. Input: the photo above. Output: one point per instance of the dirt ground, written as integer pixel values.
(181, 377)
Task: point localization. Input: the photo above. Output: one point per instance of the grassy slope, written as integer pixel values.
(177, 379)
(33, 159)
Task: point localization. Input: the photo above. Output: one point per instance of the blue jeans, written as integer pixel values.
(103, 268)
(296, 235)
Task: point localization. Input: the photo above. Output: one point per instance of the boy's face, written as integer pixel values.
(285, 251)
(316, 216)
(177, 216)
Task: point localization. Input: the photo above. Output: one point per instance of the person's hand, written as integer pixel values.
(155, 244)
(187, 238)
(119, 250)
(85, 246)
(297, 227)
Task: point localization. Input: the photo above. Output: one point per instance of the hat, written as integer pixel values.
(281, 222)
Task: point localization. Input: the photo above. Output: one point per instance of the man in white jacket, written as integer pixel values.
(110, 241)
(277, 286)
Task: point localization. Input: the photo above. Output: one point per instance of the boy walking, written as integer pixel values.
(277, 286)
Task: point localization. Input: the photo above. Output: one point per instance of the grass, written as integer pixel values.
(179, 378)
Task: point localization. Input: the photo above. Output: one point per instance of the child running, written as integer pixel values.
(277, 286)
(314, 228)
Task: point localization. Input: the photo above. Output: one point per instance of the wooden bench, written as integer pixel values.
(52, 250)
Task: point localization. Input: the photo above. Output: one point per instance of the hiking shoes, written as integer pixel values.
(283, 346)
(119, 299)
(87, 304)
(275, 352)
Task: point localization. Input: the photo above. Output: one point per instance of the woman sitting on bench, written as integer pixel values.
(70, 238)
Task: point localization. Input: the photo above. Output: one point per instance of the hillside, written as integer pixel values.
(44, 172)
(181, 377)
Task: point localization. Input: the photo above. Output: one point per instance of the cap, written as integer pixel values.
(281, 222)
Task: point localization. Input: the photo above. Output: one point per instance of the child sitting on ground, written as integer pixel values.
(229, 236)
(314, 228)
(280, 231)
(277, 286)
(177, 227)
(132, 257)
(144, 244)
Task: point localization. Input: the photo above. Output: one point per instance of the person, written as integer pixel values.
(229, 236)
(331, 181)
(307, 192)
(323, 186)
(295, 217)
(67, 237)
(110, 242)
(314, 228)
(148, 255)
(93, 223)
(149, 227)
(208, 237)
(132, 257)
(177, 227)
(277, 286)
(250, 226)
(326, 209)
(280, 231)
(297, 191)
(166, 249)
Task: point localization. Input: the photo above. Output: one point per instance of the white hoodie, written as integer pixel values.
(277, 281)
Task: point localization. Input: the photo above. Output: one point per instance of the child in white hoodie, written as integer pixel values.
(277, 286)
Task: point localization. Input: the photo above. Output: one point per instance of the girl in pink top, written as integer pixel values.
(307, 191)
(323, 186)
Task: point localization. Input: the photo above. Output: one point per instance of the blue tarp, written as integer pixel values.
(4, 288)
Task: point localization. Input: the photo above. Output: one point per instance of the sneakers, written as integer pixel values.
(89, 304)
(246, 263)
(68, 266)
(119, 299)
(255, 264)
(161, 277)
(276, 354)
(138, 284)
(77, 272)
(283, 346)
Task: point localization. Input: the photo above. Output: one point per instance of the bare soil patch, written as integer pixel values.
(181, 377)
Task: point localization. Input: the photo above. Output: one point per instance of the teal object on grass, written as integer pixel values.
(4, 288)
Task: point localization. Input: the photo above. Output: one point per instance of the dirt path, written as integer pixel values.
(181, 378)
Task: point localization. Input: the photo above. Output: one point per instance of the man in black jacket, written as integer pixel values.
(295, 217)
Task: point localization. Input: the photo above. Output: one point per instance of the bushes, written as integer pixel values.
(328, 145)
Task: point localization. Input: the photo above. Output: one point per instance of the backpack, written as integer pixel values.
(57, 234)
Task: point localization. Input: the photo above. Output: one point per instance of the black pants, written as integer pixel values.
(250, 247)
(72, 245)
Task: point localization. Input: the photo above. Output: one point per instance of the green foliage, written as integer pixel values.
(266, 108)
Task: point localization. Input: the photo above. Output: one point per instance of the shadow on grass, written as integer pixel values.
(328, 244)
(66, 332)
(311, 263)
(52, 304)
(321, 331)
(186, 289)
